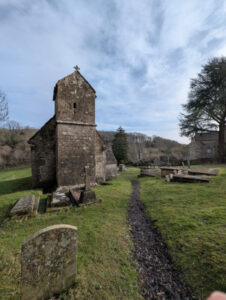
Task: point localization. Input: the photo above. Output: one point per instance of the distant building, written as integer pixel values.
(204, 146)
(69, 142)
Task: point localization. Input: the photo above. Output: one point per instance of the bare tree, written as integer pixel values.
(3, 107)
(14, 132)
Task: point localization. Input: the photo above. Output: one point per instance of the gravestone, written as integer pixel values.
(58, 201)
(48, 262)
(122, 167)
(149, 172)
(189, 165)
(87, 195)
(27, 205)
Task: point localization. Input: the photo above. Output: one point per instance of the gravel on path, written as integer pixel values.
(157, 276)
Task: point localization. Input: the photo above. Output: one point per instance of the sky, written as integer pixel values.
(139, 55)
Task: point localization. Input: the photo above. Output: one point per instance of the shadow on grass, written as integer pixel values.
(42, 206)
(15, 185)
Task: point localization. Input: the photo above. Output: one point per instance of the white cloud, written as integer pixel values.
(138, 55)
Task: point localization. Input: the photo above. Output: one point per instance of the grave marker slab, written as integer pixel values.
(169, 170)
(58, 201)
(122, 167)
(189, 178)
(48, 262)
(149, 172)
(208, 172)
(27, 205)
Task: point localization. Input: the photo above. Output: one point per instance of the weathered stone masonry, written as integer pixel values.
(43, 155)
(75, 117)
(69, 142)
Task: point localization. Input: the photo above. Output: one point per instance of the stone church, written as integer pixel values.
(69, 142)
(203, 147)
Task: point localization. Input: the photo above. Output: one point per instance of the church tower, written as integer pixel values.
(75, 129)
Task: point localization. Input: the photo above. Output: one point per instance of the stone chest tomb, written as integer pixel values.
(69, 142)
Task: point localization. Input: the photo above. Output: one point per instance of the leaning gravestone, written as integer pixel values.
(48, 262)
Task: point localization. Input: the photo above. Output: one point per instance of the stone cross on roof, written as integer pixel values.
(76, 68)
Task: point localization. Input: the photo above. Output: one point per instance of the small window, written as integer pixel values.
(74, 107)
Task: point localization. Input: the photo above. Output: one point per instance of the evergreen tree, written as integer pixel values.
(120, 146)
(206, 106)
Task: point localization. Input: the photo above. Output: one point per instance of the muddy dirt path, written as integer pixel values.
(157, 276)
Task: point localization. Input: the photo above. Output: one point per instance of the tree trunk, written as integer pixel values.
(221, 141)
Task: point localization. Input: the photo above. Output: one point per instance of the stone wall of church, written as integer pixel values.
(74, 100)
(204, 147)
(100, 159)
(43, 158)
(75, 151)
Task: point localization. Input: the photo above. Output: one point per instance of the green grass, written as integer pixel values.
(192, 219)
(105, 267)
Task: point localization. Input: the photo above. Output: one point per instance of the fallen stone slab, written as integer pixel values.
(208, 172)
(27, 205)
(189, 178)
(58, 201)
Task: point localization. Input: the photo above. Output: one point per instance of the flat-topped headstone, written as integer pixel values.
(26, 205)
(48, 262)
(87, 197)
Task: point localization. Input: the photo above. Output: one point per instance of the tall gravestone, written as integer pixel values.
(48, 262)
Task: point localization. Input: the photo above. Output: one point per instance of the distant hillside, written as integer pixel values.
(14, 149)
(145, 149)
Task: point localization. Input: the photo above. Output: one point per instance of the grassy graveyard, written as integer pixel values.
(191, 218)
(105, 270)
